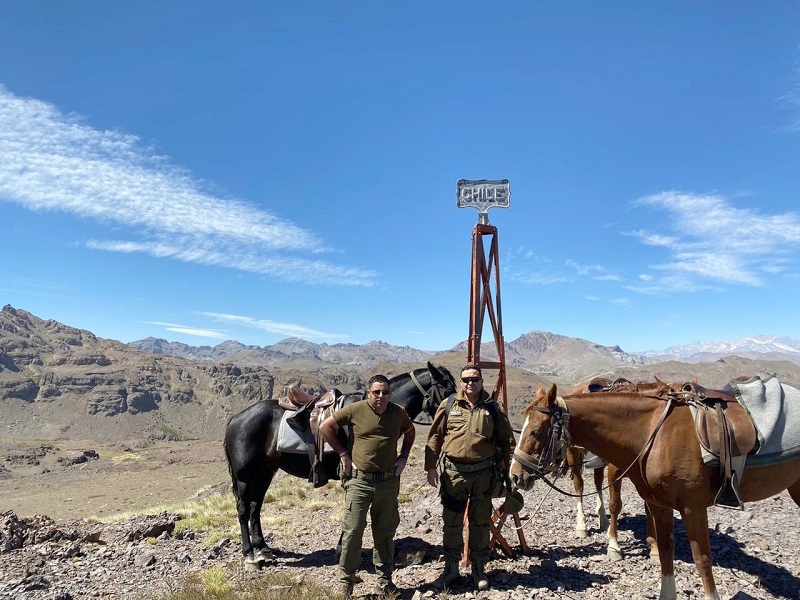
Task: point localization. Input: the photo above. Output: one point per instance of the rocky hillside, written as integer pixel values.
(60, 382)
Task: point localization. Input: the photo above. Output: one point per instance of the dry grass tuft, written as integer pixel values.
(217, 585)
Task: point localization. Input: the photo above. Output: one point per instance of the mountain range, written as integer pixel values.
(540, 352)
(765, 347)
(59, 382)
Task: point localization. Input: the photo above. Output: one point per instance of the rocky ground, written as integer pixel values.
(64, 556)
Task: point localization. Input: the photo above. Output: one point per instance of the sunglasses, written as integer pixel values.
(470, 379)
(380, 392)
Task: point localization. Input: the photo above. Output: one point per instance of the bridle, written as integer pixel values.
(432, 398)
(553, 457)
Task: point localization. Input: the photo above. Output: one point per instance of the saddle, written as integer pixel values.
(604, 384)
(310, 412)
(726, 432)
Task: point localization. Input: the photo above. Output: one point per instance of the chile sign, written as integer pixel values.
(483, 194)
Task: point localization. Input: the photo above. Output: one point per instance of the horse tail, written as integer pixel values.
(234, 485)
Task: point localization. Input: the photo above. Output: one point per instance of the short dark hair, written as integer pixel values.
(377, 378)
(472, 367)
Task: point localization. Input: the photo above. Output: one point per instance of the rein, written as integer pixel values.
(560, 417)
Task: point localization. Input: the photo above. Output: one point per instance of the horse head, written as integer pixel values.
(544, 440)
(442, 385)
(422, 390)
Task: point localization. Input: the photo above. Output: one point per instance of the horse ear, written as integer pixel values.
(552, 394)
(432, 369)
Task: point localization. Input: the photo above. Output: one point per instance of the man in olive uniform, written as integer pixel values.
(371, 478)
(467, 438)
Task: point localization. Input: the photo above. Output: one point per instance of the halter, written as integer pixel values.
(430, 398)
(553, 457)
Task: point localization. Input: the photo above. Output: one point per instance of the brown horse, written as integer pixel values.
(650, 434)
(579, 459)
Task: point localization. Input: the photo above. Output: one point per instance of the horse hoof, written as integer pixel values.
(265, 555)
(581, 533)
(614, 554)
(252, 565)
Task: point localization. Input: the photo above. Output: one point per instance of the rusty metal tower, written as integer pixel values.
(484, 194)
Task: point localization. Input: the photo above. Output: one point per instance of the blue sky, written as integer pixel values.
(254, 171)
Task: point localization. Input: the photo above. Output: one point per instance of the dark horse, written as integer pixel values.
(251, 439)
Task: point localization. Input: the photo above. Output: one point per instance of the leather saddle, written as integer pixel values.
(309, 413)
(726, 431)
(604, 384)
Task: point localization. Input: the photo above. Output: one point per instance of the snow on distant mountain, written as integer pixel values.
(769, 347)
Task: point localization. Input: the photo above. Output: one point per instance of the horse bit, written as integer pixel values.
(554, 456)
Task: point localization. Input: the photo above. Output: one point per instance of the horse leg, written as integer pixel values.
(575, 462)
(243, 511)
(601, 508)
(696, 522)
(652, 543)
(663, 521)
(614, 551)
(257, 535)
(794, 492)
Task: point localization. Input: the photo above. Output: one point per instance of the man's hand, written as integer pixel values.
(347, 464)
(400, 465)
(433, 477)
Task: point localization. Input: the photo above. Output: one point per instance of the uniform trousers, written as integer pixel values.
(380, 501)
(456, 488)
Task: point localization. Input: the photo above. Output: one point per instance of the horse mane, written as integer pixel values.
(447, 373)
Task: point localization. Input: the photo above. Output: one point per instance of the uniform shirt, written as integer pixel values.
(373, 437)
(467, 434)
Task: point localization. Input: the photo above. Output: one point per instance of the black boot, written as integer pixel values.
(449, 576)
(479, 577)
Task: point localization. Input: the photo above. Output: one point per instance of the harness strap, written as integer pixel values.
(426, 397)
(431, 398)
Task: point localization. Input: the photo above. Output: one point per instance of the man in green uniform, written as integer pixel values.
(467, 432)
(371, 478)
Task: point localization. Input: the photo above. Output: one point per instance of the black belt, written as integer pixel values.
(463, 467)
(372, 477)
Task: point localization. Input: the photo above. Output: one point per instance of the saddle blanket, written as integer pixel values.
(775, 410)
(294, 441)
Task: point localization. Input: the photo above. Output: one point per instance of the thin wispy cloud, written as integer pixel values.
(792, 100)
(275, 327)
(55, 162)
(709, 244)
(712, 243)
(205, 333)
(526, 267)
